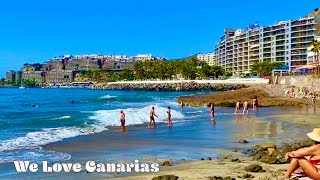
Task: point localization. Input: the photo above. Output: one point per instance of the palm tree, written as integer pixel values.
(316, 49)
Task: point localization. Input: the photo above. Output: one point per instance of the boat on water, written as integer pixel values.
(22, 87)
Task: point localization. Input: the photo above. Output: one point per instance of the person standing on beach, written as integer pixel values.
(122, 120)
(237, 107)
(152, 115)
(254, 103)
(169, 115)
(313, 99)
(245, 107)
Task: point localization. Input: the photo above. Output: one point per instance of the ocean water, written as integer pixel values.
(43, 124)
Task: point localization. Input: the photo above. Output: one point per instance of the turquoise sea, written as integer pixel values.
(43, 125)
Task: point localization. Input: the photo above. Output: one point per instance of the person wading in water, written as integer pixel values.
(152, 115)
(123, 121)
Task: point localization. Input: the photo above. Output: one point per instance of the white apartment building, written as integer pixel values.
(209, 58)
(285, 42)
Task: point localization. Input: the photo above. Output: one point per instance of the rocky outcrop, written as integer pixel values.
(229, 98)
(270, 154)
(254, 168)
(166, 163)
(185, 86)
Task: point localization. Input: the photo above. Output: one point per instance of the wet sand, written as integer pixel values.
(303, 118)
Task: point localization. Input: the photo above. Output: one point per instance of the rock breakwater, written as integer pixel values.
(185, 86)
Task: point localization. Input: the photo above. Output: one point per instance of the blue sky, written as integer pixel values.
(36, 30)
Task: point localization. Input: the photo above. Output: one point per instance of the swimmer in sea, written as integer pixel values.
(152, 115)
(122, 120)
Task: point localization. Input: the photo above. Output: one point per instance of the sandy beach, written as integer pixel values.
(232, 164)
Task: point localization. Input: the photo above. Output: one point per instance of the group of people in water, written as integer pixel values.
(152, 122)
(245, 106)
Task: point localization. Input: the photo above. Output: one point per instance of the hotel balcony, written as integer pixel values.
(304, 28)
(267, 56)
(267, 39)
(280, 43)
(267, 34)
(267, 50)
(302, 22)
(299, 62)
(280, 59)
(267, 29)
(280, 54)
(299, 52)
(302, 34)
(281, 37)
(280, 49)
(299, 57)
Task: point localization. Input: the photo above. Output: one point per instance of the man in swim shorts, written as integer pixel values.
(152, 114)
(245, 107)
(237, 107)
(122, 120)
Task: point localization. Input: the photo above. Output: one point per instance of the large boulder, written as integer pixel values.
(265, 146)
(166, 163)
(254, 168)
(166, 177)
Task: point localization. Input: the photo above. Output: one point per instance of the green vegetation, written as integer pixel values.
(190, 68)
(265, 68)
(29, 82)
(316, 49)
(166, 70)
(4, 82)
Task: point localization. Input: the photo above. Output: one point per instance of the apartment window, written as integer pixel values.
(287, 35)
(287, 24)
(287, 52)
(287, 41)
(287, 47)
(287, 30)
(287, 58)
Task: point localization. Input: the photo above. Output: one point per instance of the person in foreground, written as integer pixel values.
(307, 158)
(123, 121)
(152, 115)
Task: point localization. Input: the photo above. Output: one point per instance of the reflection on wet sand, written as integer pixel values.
(253, 127)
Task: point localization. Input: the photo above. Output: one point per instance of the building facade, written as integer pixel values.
(209, 58)
(285, 42)
(60, 76)
(11, 76)
(38, 76)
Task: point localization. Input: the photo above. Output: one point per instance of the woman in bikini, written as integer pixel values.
(307, 158)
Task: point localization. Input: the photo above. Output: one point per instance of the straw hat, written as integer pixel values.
(315, 134)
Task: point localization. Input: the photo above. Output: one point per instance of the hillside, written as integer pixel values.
(316, 13)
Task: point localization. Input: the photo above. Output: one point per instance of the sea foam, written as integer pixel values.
(133, 115)
(34, 140)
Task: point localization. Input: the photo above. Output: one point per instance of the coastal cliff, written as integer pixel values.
(268, 95)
